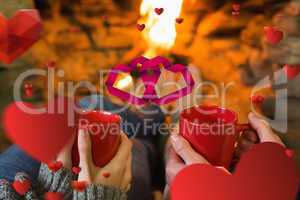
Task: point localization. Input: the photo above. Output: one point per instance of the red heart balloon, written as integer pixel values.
(273, 35)
(21, 187)
(159, 11)
(18, 34)
(265, 172)
(40, 135)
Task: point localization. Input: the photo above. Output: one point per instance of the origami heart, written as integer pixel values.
(21, 187)
(292, 71)
(40, 135)
(54, 196)
(265, 172)
(150, 79)
(18, 34)
(140, 27)
(179, 20)
(159, 11)
(273, 35)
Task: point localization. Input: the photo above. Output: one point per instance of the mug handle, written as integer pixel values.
(241, 128)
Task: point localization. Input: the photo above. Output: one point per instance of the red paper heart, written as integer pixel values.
(55, 166)
(21, 187)
(179, 20)
(265, 172)
(79, 186)
(159, 11)
(41, 135)
(18, 34)
(292, 71)
(273, 35)
(140, 27)
(54, 196)
(76, 170)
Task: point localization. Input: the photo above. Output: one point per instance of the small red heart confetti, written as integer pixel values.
(50, 64)
(106, 174)
(179, 20)
(79, 186)
(236, 7)
(21, 187)
(273, 35)
(140, 27)
(76, 170)
(257, 99)
(55, 166)
(28, 90)
(159, 11)
(290, 153)
(54, 196)
(291, 71)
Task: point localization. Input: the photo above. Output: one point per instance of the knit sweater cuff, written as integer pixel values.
(58, 181)
(100, 192)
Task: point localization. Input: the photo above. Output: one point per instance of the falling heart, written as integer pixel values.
(21, 187)
(18, 34)
(273, 35)
(54, 196)
(140, 27)
(265, 172)
(292, 71)
(40, 135)
(179, 20)
(159, 11)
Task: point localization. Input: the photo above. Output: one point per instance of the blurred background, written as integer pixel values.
(85, 37)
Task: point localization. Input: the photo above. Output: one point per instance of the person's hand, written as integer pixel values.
(179, 155)
(263, 134)
(65, 155)
(116, 173)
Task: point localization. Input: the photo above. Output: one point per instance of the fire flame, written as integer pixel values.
(160, 32)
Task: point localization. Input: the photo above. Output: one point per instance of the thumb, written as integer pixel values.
(185, 151)
(263, 129)
(84, 149)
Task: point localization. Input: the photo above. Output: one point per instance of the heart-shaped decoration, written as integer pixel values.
(79, 186)
(273, 35)
(159, 11)
(28, 89)
(18, 34)
(140, 27)
(54, 196)
(291, 71)
(257, 99)
(179, 20)
(21, 186)
(76, 170)
(257, 176)
(236, 7)
(41, 133)
(106, 174)
(55, 166)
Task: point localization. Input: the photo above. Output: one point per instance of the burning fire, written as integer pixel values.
(160, 32)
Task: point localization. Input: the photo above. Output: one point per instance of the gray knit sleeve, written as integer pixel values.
(100, 192)
(7, 192)
(55, 181)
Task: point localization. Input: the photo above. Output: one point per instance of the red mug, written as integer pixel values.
(104, 129)
(212, 131)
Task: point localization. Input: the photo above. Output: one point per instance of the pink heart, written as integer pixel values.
(265, 172)
(40, 135)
